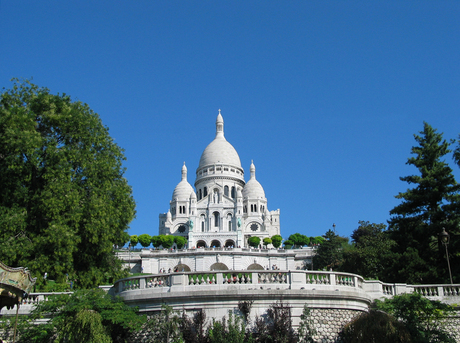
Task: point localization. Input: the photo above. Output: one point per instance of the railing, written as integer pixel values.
(298, 279)
(262, 279)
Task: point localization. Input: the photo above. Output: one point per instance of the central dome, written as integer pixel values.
(219, 151)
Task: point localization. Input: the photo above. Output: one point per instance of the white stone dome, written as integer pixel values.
(253, 189)
(183, 188)
(219, 151)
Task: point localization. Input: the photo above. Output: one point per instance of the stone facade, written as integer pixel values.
(223, 210)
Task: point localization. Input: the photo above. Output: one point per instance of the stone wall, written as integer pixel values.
(328, 324)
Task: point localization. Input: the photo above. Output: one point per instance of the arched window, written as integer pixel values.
(226, 190)
(200, 195)
(229, 221)
(233, 193)
(203, 219)
(216, 219)
(205, 192)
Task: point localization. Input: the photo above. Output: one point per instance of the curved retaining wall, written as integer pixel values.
(334, 299)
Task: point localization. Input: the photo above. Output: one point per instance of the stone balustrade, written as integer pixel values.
(220, 280)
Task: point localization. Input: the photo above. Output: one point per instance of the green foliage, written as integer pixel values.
(133, 240)
(288, 244)
(145, 240)
(156, 241)
(370, 254)
(377, 327)
(330, 252)
(422, 317)
(64, 201)
(267, 241)
(276, 241)
(180, 241)
(122, 239)
(276, 326)
(299, 240)
(233, 331)
(306, 329)
(254, 241)
(164, 326)
(433, 203)
(84, 316)
(167, 241)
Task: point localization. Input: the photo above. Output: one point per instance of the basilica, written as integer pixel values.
(222, 210)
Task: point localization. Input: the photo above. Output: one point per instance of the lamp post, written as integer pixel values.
(444, 236)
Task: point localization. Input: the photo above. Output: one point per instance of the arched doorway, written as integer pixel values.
(219, 266)
(181, 268)
(215, 244)
(229, 243)
(255, 266)
(201, 244)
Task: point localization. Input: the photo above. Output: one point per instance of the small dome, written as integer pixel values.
(219, 151)
(183, 188)
(253, 189)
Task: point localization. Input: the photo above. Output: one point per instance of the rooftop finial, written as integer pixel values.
(219, 125)
(184, 172)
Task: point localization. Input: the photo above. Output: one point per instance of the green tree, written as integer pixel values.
(164, 326)
(425, 209)
(330, 252)
(180, 241)
(231, 331)
(122, 239)
(306, 329)
(377, 327)
(84, 316)
(370, 254)
(422, 317)
(156, 241)
(133, 240)
(267, 241)
(64, 201)
(254, 241)
(275, 326)
(276, 241)
(167, 241)
(145, 240)
(288, 244)
(299, 240)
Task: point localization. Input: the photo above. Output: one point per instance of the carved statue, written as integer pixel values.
(239, 222)
(190, 224)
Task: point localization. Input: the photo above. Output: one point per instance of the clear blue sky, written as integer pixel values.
(324, 96)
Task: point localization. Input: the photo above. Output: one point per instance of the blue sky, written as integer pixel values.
(324, 96)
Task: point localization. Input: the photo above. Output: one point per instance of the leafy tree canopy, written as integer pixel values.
(167, 241)
(422, 317)
(433, 203)
(180, 241)
(254, 241)
(299, 240)
(330, 252)
(370, 254)
(276, 241)
(267, 241)
(145, 240)
(133, 240)
(84, 316)
(156, 241)
(64, 201)
(288, 243)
